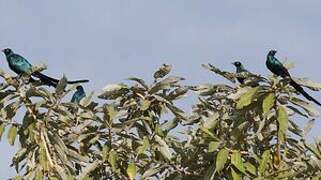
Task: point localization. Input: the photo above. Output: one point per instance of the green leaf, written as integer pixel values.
(221, 160)
(12, 134)
(151, 172)
(177, 93)
(250, 168)
(307, 127)
(283, 123)
(113, 91)
(39, 175)
(237, 95)
(140, 81)
(62, 172)
(61, 85)
(90, 168)
(113, 156)
(145, 105)
(2, 129)
(268, 103)
(236, 160)
(143, 148)
(18, 178)
(75, 155)
(110, 112)
(227, 75)
(211, 121)
(4, 95)
(308, 83)
(43, 160)
(247, 98)
(164, 148)
(10, 110)
(131, 171)
(307, 107)
(164, 84)
(213, 146)
(159, 131)
(85, 102)
(266, 157)
(235, 174)
(169, 125)
(163, 71)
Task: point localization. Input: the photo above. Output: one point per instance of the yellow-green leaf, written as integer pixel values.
(90, 168)
(247, 98)
(268, 103)
(164, 148)
(110, 112)
(283, 121)
(145, 105)
(18, 178)
(12, 134)
(2, 128)
(131, 171)
(266, 157)
(235, 175)
(213, 146)
(163, 71)
(307, 107)
(43, 160)
(87, 100)
(141, 149)
(250, 168)
(61, 85)
(237, 161)
(39, 175)
(113, 159)
(221, 159)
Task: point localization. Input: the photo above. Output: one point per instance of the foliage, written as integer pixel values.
(138, 131)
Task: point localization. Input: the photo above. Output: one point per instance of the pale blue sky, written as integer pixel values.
(107, 41)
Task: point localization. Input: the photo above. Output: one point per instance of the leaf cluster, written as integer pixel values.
(138, 131)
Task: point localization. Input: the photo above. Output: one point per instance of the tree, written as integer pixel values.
(137, 130)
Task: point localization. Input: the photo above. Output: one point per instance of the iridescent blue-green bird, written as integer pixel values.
(277, 68)
(239, 69)
(20, 65)
(78, 95)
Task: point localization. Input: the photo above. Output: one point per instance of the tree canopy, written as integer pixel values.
(136, 130)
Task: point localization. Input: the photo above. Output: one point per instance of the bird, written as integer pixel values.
(78, 95)
(277, 68)
(20, 65)
(239, 69)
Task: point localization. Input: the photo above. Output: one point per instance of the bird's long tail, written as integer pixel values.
(301, 90)
(54, 82)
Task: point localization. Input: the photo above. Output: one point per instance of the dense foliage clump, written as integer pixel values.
(137, 130)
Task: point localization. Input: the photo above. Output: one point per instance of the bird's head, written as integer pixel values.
(7, 51)
(80, 88)
(237, 64)
(272, 52)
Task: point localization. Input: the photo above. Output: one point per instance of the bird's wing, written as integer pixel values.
(20, 63)
(74, 97)
(282, 70)
(21, 60)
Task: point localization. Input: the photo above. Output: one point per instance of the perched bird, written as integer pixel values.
(78, 95)
(239, 69)
(20, 65)
(277, 68)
